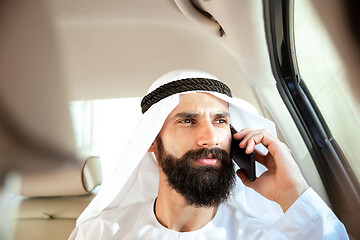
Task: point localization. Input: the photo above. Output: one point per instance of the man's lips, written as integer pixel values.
(210, 160)
(207, 161)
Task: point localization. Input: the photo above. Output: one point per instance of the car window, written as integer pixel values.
(102, 126)
(324, 74)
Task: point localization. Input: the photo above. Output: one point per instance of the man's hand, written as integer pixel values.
(283, 182)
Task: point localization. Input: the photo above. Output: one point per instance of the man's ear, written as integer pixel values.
(153, 148)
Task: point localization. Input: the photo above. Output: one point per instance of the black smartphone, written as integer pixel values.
(245, 161)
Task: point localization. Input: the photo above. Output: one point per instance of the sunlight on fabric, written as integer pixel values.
(103, 126)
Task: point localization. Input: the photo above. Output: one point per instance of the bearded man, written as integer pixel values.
(191, 190)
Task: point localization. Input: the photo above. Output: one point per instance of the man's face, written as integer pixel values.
(193, 150)
(199, 121)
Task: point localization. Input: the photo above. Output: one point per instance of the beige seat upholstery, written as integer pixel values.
(48, 217)
(51, 202)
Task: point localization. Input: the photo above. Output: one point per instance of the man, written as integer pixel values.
(192, 191)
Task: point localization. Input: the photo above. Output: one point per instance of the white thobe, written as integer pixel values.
(308, 218)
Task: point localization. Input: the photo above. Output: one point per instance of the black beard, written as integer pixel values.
(201, 186)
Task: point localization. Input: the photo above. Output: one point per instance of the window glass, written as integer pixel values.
(324, 73)
(102, 127)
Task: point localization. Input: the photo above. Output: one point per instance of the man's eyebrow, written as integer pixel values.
(222, 115)
(186, 115)
(194, 114)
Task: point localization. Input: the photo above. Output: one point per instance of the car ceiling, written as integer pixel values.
(112, 49)
(82, 50)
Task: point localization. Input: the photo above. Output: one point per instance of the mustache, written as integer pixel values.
(216, 153)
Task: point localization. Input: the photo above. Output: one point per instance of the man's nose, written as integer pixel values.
(206, 135)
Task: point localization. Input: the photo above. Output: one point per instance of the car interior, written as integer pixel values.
(72, 75)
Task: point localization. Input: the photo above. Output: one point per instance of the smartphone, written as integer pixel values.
(245, 161)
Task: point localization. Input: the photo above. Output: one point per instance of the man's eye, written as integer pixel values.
(186, 121)
(221, 121)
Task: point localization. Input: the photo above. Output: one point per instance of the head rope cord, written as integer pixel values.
(183, 85)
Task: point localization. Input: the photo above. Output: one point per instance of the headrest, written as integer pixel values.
(68, 181)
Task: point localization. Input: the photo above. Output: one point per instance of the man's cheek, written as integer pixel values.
(226, 145)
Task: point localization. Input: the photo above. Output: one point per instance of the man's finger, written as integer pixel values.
(254, 138)
(241, 134)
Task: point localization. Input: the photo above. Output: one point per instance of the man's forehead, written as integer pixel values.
(199, 101)
(199, 96)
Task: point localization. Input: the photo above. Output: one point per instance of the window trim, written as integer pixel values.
(340, 182)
